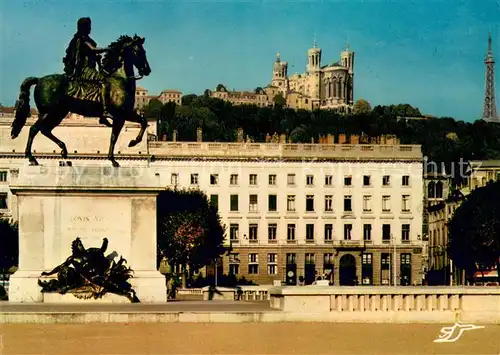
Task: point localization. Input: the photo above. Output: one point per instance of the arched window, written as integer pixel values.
(431, 193)
(439, 189)
(335, 87)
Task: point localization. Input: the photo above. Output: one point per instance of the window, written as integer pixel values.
(367, 258)
(328, 232)
(194, 179)
(309, 180)
(405, 181)
(272, 230)
(214, 179)
(253, 203)
(252, 180)
(309, 259)
(347, 180)
(3, 201)
(386, 232)
(291, 258)
(367, 232)
(290, 203)
(347, 231)
(252, 232)
(385, 261)
(174, 179)
(272, 180)
(309, 232)
(328, 203)
(367, 203)
(234, 264)
(405, 259)
(405, 232)
(290, 235)
(234, 233)
(366, 180)
(253, 263)
(310, 203)
(272, 264)
(405, 203)
(347, 203)
(328, 258)
(214, 200)
(290, 179)
(233, 203)
(386, 180)
(386, 203)
(272, 203)
(328, 180)
(233, 180)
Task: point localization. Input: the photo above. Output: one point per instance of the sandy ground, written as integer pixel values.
(248, 338)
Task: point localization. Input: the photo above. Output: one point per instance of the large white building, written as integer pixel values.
(339, 211)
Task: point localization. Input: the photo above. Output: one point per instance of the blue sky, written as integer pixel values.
(426, 53)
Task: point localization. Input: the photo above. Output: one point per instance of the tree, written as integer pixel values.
(190, 232)
(188, 99)
(279, 100)
(474, 230)
(152, 109)
(361, 106)
(9, 244)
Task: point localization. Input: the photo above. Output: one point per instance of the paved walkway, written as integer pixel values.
(247, 338)
(175, 306)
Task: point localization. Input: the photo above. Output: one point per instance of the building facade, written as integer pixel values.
(142, 97)
(324, 86)
(342, 212)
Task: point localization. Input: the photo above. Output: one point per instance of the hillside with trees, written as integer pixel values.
(443, 139)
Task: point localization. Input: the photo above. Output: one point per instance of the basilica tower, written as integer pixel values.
(280, 75)
(347, 60)
(314, 71)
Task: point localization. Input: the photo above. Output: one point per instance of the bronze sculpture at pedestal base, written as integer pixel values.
(87, 273)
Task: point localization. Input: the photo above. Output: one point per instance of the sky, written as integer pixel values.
(427, 53)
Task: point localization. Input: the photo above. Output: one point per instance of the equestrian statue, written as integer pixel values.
(90, 87)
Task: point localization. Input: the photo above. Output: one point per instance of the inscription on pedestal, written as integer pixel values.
(92, 219)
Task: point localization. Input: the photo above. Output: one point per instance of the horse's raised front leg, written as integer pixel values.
(115, 133)
(144, 124)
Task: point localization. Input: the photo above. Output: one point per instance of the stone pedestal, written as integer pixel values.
(58, 204)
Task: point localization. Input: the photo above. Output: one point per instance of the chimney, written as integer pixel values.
(342, 138)
(240, 136)
(312, 140)
(283, 138)
(174, 136)
(355, 139)
(199, 135)
(330, 139)
(164, 137)
(268, 138)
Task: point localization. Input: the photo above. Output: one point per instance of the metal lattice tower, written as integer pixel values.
(490, 110)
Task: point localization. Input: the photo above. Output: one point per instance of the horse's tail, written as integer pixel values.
(22, 106)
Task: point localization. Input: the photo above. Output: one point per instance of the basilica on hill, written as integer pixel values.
(323, 86)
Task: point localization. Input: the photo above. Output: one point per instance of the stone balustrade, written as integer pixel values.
(241, 293)
(287, 151)
(391, 304)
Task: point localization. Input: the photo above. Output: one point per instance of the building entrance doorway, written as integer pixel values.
(347, 270)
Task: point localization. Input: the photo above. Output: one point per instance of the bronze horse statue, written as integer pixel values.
(56, 95)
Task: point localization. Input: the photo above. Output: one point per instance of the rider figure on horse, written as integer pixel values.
(80, 61)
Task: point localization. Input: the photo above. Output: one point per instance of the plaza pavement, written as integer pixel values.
(243, 338)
